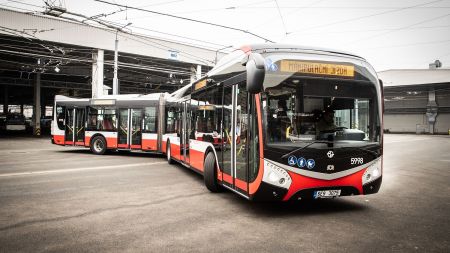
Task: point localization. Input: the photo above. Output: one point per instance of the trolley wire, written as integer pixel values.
(366, 16)
(188, 19)
(400, 28)
(281, 17)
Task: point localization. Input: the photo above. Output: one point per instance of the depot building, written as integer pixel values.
(416, 100)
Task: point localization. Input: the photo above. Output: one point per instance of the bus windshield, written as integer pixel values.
(300, 112)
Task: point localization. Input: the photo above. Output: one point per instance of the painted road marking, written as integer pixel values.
(28, 173)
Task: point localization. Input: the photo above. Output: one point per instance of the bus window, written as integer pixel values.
(60, 116)
(102, 119)
(150, 120)
(172, 116)
(207, 113)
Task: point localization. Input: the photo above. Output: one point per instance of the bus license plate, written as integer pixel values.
(327, 194)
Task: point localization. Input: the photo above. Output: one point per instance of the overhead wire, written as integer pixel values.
(174, 35)
(25, 3)
(189, 19)
(400, 28)
(366, 16)
(17, 8)
(105, 23)
(296, 10)
(115, 28)
(410, 44)
(376, 30)
(281, 17)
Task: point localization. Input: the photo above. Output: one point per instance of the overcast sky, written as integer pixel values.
(389, 34)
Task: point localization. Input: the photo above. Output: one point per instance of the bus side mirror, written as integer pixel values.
(255, 73)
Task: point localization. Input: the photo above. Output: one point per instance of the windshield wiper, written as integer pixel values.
(301, 148)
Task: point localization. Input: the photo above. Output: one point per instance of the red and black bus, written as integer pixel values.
(286, 122)
(115, 122)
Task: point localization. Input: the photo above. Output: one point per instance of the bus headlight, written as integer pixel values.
(275, 175)
(373, 172)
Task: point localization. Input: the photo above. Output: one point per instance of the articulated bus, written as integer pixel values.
(281, 122)
(115, 122)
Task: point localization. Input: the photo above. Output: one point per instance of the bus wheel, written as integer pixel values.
(168, 153)
(98, 145)
(210, 173)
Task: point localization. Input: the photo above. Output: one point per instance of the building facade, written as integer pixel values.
(416, 101)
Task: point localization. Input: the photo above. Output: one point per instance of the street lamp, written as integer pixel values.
(116, 56)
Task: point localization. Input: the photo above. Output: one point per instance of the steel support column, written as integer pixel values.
(37, 106)
(97, 73)
(5, 98)
(432, 110)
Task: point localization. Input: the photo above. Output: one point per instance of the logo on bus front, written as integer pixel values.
(292, 160)
(271, 66)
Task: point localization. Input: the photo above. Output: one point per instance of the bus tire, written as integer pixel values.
(98, 145)
(210, 173)
(168, 154)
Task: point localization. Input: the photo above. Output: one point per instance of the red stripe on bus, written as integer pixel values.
(87, 140)
(111, 142)
(196, 159)
(136, 146)
(58, 139)
(149, 144)
(227, 178)
(300, 182)
(240, 184)
(175, 151)
(164, 146)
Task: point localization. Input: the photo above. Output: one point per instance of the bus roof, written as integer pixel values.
(296, 48)
(153, 96)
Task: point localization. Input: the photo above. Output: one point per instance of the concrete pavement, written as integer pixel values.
(59, 199)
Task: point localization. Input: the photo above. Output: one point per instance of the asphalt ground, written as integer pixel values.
(62, 199)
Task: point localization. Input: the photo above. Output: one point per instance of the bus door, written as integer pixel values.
(130, 128)
(235, 159)
(123, 134)
(186, 129)
(75, 121)
(240, 145)
(70, 125)
(79, 124)
(136, 123)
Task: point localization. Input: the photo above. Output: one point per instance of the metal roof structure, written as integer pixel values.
(65, 31)
(408, 77)
(61, 50)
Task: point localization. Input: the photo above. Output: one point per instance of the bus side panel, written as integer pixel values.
(58, 139)
(197, 151)
(149, 141)
(300, 182)
(171, 137)
(111, 138)
(57, 134)
(164, 144)
(175, 150)
(174, 146)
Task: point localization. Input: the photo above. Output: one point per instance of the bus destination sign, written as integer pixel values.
(200, 84)
(317, 68)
